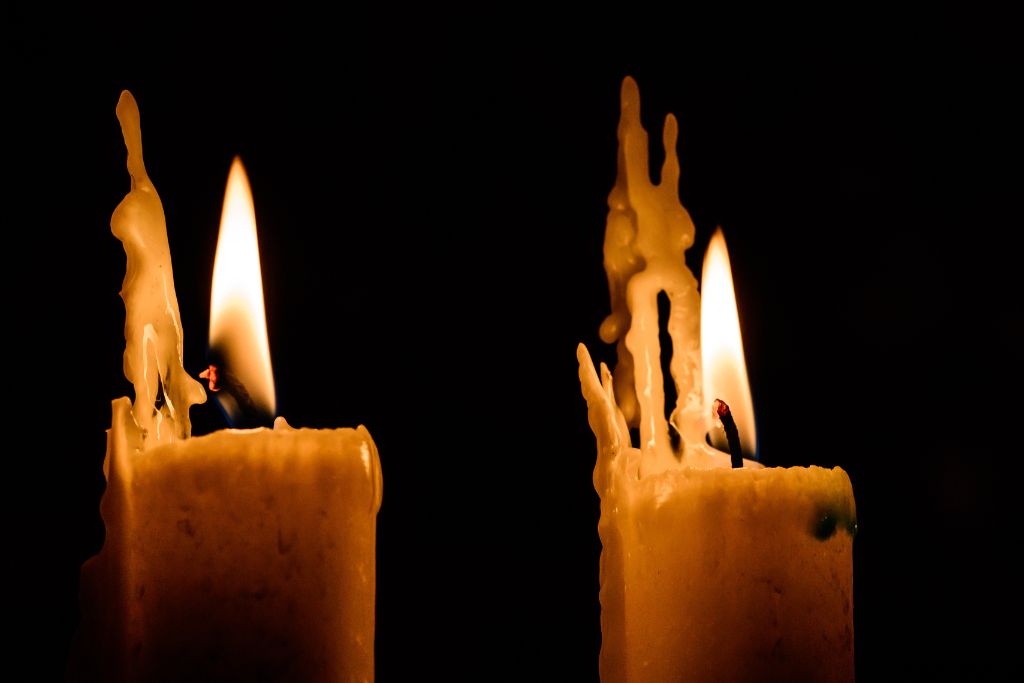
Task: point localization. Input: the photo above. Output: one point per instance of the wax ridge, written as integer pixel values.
(647, 234)
(153, 361)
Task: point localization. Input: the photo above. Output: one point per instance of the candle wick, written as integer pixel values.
(720, 409)
(233, 397)
(210, 374)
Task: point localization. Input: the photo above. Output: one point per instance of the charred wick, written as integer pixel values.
(721, 409)
(232, 397)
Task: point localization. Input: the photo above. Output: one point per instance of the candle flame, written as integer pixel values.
(238, 323)
(724, 367)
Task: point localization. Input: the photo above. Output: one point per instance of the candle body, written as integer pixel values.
(727, 576)
(241, 555)
(720, 574)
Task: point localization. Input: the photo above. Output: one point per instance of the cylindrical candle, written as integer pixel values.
(708, 573)
(240, 555)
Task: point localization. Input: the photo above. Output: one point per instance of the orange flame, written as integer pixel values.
(238, 323)
(725, 370)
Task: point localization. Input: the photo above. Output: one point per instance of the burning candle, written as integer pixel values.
(708, 572)
(242, 554)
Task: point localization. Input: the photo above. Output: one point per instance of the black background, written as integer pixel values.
(431, 205)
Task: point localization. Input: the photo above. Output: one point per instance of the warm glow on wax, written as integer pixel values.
(725, 370)
(238, 323)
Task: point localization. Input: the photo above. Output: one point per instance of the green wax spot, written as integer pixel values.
(828, 521)
(826, 527)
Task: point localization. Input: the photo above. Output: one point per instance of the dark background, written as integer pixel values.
(431, 206)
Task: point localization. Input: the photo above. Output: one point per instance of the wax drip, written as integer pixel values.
(647, 235)
(152, 328)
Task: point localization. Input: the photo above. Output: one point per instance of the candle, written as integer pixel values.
(239, 555)
(708, 573)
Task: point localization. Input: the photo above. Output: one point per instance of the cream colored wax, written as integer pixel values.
(707, 573)
(240, 555)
